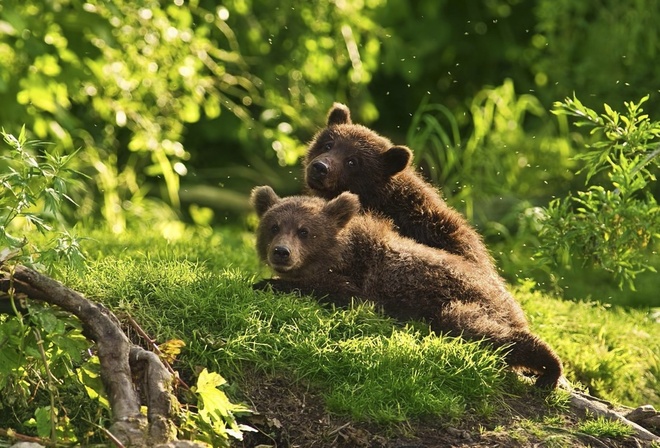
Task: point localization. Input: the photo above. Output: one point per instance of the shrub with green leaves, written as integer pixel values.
(121, 80)
(42, 351)
(615, 223)
(49, 376)
(35, 185)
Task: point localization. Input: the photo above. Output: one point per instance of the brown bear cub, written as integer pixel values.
(350, 157)
(329, 249)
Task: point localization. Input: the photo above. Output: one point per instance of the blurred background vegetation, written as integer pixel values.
(178, 108)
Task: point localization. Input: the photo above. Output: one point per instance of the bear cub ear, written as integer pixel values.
(263, 198)
(342, 208)
(339, 114)
(396, 159)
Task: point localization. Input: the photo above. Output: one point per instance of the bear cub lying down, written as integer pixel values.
(329, 249)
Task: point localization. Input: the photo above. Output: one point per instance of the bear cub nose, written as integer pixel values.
(281, 253)
(320, 168)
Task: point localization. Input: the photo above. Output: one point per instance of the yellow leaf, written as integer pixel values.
(171, 349)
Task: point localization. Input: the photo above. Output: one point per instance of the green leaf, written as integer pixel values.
(43, 421)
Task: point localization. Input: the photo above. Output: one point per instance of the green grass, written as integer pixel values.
(368, 367)
(602, 427)
(198, 289)
(613, 351)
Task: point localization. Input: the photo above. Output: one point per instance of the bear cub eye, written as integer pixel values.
(327, 146)
(274, 229)
(352, 162)
(303, 233)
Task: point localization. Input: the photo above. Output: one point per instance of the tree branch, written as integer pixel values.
(600, 408)
(119, 360)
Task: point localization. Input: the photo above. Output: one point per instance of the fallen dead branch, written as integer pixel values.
(120, 361)
(586, 404)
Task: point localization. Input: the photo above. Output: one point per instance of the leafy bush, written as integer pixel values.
(500, 175)
(615, 224)
(35, 195)
(306, 55)
(43, 350)
(49, 376)
(121, 80)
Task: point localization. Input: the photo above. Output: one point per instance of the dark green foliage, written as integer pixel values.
(595, 48)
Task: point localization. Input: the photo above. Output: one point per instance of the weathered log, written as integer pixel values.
(587, 404)
(118, 357)
(156, 384)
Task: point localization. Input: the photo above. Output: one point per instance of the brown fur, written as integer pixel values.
(326, 248)
(350, 157)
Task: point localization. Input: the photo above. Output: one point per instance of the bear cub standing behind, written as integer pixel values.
(345, 156)
(328, 249)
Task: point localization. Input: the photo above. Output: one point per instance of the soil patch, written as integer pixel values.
(291, 415)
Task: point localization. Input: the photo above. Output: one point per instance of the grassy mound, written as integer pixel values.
(198, 289)
(367, 366)
(359, 365)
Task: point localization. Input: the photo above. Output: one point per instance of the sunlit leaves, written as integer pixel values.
(35, 184)
(171, 349)
(216, 412)
(616, 220)
(111, 76)
(309, 55)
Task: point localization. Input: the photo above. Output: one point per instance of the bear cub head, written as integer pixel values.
(298, 236)
(345, 156)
